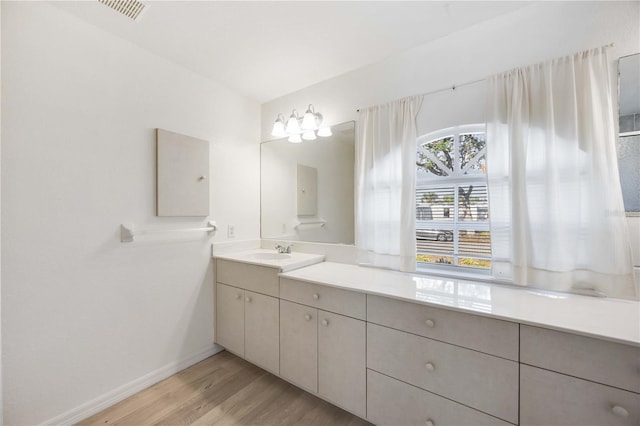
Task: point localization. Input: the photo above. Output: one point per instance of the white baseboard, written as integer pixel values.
(108, 399)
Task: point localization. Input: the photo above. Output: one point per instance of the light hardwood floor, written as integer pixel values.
(223, 390)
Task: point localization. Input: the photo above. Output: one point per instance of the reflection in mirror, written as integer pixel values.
(629, 94)
(307, 189)
(629, 138)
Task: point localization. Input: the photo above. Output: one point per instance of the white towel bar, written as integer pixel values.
(128, 232)
(311, 224)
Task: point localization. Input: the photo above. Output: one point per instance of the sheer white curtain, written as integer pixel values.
(557, 217)
(385, 184)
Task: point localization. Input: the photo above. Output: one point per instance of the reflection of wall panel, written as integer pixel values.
(182, 174)
(307, 190)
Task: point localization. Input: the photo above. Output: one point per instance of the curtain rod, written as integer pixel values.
(454, 87)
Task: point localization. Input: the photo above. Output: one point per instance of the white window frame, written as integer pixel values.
(455, 178)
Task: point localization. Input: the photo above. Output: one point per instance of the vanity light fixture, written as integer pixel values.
(298, 128)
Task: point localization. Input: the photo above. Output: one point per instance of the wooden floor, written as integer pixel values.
(223, 390)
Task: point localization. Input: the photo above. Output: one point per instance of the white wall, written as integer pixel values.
(532, 34)
(83, 313)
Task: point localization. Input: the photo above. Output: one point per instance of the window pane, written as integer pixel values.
(430, 258)
(452, 205)
(473, 203)
(442, 150)
(434, 204)
(476, 243)
(470, 147)
(434, 241)
(469, 262)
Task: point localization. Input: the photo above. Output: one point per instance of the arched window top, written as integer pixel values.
(455, 152)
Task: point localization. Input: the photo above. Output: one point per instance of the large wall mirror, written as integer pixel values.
(307, 188)
(629, 137)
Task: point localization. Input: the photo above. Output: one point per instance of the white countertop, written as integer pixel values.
(616, 320)
(260, 257)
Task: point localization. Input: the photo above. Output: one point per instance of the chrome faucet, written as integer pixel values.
(283, 248)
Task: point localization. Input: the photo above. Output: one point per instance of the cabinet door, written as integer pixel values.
(342, 362)
(182, 170)
(230, 318)
(261, 330)
(299, 345)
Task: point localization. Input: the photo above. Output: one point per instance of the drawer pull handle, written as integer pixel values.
(429, 422)
(325, 322)
(238, 296)
(429, 366)
(430, 323)
(316, 296)
(619, 411)
(247, 299)
(307, 317)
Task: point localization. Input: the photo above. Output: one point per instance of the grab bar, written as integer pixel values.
(128, 232)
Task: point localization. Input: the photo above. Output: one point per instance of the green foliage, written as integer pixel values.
(442, 149)
(429, 197)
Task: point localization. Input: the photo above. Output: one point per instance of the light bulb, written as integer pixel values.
(295, 138)
(309, 120)
(325, 132)
(309, 136)
(278, 127)
(293, 127)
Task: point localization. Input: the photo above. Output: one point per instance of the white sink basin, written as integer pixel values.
(270, 256)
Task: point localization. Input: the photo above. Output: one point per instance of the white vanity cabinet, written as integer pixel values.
(395, 360)
(321, 351)
(247, 321)
(566, 379)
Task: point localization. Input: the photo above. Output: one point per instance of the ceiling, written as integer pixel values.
(266, 49)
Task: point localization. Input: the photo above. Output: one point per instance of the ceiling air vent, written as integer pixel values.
(129, 8)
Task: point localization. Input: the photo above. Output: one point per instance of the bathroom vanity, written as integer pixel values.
(397, 348)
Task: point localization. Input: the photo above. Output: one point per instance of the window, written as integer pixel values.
(452, 203)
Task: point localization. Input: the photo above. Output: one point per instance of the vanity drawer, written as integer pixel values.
(488, 335)
(484, 382)
(604, 362)
(260, 279)
(392, 402)
(345, 302)
(548, 398)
